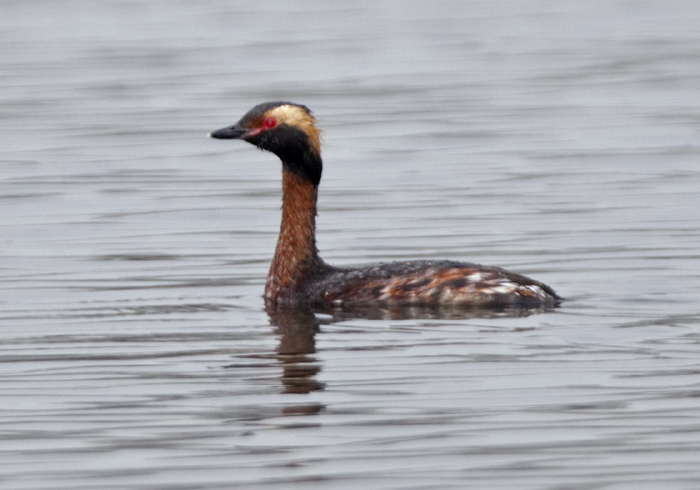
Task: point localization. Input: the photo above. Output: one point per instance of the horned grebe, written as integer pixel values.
(299, 277)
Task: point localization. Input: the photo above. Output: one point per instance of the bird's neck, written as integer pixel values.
(296, 255)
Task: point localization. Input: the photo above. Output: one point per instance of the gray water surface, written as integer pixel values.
(557, 139)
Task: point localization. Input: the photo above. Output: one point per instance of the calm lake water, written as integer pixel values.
(557, 139)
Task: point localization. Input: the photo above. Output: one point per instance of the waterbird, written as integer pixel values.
(298, 277)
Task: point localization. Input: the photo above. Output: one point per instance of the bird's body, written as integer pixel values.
(299, 277)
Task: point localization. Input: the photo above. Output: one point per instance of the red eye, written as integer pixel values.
(269, 123)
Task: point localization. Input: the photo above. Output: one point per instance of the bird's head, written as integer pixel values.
(286, 129)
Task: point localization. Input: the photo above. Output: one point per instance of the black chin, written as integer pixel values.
(292, 146)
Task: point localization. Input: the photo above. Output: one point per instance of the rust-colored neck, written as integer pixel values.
(296, 254)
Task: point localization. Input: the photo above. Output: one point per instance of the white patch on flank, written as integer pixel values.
(476, 277)
(506, 288)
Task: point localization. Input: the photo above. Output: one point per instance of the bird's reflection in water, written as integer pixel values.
(403, 312)
(297, 329)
